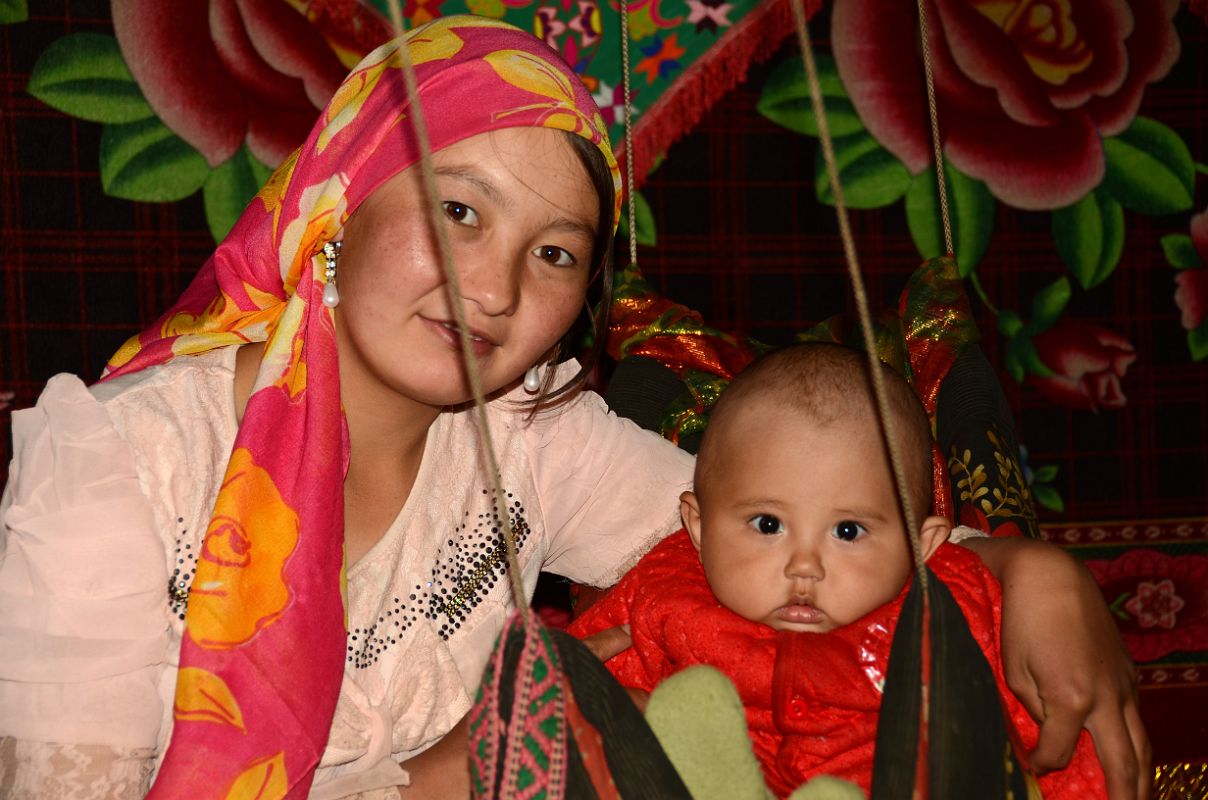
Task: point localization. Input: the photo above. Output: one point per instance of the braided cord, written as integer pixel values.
(630, 198)
(857, 283)
(453, 285)
(933, 108)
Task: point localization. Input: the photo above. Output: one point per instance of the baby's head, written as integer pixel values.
(794, 512)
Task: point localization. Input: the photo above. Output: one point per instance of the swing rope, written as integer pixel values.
(861, 296)
(453, 287)
(933, 110)
(631, 213)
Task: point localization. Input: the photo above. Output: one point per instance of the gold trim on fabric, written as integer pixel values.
(1184, 781)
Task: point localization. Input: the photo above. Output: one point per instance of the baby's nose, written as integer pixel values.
(805, 563)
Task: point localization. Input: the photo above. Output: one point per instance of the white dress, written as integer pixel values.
(111, 489)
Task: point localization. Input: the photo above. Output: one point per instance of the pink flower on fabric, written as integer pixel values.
(1088, 363)
(709, 15)
(1027, 89)
(1155, 604)
(611, 100)
(1191, 285)
(223, 72)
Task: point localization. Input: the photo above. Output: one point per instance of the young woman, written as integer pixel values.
(262, 556)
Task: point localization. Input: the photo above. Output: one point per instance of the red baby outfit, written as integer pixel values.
(811, 700)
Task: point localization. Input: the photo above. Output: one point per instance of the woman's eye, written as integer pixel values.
(766, 523)
(460, 213)
(849, 531)
(555, 255)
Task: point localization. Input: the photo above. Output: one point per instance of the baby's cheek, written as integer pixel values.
(738, 586)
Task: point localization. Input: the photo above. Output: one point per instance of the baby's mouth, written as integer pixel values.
(800, 613)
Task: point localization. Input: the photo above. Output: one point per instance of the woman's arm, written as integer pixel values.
(609, 490)
(1065, 661)
(84, 633)
(442, 772)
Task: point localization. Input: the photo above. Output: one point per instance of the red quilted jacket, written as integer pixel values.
(811, 700)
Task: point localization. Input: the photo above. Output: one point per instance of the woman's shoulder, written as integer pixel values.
(161, 424)
(156, 419)
(179, 388)
(174, 389)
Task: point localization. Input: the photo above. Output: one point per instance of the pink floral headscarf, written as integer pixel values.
(263, 653)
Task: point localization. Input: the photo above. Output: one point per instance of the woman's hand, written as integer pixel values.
(608, 643)
(1065, 661)
(442, 772)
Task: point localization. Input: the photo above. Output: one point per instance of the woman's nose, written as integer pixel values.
(491, 282)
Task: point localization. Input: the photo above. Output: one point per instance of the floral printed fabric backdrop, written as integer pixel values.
(1076, 148)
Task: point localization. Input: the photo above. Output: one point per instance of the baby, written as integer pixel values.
(794, 528)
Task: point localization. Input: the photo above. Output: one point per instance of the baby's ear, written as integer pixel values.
(690, 514)
(932, 534)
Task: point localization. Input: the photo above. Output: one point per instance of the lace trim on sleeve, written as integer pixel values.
(37, 770)
(962, 532)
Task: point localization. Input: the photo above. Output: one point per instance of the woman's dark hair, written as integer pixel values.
(599, 291)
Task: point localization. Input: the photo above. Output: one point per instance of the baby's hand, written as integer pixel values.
(609, 642)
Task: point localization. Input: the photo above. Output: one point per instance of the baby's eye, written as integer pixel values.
(460, 213)
(766, 523)
(849, 531)
(555, 255)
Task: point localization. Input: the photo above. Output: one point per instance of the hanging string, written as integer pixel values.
(857, 282)
(453, 286)
(630, 198)
(932, 107)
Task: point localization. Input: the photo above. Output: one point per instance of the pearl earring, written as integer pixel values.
(331, 252)
(532, 379)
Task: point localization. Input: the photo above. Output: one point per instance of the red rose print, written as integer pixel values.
(1191, 295)
(1161, 601)
(1191, 292)
(1026, 88)
(1087, 363)
(221, 72)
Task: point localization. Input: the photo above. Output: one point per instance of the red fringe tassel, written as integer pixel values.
(754, 38)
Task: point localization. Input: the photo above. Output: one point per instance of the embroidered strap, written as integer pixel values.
(526, 757)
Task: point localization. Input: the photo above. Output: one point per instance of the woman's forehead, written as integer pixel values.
(530, 173)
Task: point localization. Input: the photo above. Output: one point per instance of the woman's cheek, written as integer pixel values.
(569, 303)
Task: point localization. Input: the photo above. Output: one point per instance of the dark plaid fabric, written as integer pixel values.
(740, 237)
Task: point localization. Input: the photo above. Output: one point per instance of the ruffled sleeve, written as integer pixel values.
(83, 588)
(609, 490)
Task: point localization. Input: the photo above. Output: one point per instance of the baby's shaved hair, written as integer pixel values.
(827, 383)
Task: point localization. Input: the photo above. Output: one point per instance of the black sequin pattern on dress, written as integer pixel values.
(183, 571)
(469, 563)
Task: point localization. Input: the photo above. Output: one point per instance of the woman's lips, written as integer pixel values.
(480, 343)
(800, 614)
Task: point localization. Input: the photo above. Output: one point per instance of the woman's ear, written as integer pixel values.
(690, 514)
(932, 534)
